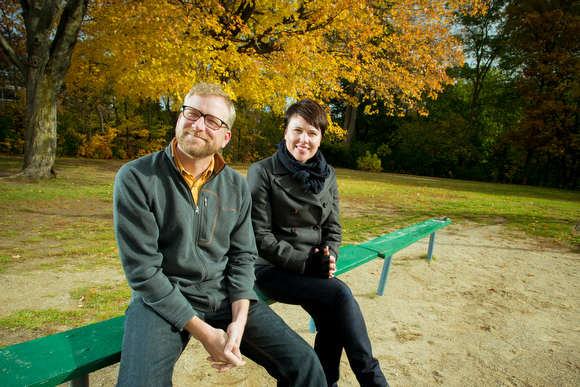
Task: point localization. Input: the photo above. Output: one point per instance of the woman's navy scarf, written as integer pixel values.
(313, 173)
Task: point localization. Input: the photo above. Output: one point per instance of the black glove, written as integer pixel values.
(317, 265)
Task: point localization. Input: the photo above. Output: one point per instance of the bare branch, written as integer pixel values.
(13, 57)
(25, 7)
(67, 33)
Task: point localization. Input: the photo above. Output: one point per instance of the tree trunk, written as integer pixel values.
(149, 102)
(565, 174)
(49, 49)
(575, 175)
(173, 116)
(101, 118)
(350, 113)
(527, 165)
(40, 129)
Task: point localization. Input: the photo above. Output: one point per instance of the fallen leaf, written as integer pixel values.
(531, 275)
(16, 256)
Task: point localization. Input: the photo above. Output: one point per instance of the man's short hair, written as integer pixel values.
(206, 89)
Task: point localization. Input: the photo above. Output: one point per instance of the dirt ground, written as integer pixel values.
(489, 310)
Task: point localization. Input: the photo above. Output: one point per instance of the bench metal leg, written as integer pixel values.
(431, 245)
(81, 381)
(384, 275)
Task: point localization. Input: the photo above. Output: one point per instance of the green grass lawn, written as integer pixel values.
(46, 224)
(545, 213)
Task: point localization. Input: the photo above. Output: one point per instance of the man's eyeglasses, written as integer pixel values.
(210, 121)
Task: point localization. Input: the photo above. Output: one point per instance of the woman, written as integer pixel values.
(295, 217)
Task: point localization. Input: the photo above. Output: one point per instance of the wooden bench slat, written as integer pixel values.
(58, 358)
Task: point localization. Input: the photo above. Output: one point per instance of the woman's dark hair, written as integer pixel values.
(311, 111)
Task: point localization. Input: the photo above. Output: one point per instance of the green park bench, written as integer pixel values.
(72, 355)
(386, 246)
(63, 357)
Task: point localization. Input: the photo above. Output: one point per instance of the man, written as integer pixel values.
(183, 227)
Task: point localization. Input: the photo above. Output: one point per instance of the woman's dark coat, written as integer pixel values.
(289, 223)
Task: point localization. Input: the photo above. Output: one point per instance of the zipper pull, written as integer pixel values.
(196, 210)
(205, 202)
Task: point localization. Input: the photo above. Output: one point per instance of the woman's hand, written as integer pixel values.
(332, 263)
(321, 265)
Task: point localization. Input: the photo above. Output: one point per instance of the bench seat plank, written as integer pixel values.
(58, 358)
(352, 256)
(389, 244)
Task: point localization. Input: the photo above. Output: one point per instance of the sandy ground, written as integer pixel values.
(489, 310)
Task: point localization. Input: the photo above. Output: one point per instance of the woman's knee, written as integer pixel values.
(341, 294)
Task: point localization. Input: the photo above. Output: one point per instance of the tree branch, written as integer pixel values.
(25, 7)
(67, 34)
(13, 57)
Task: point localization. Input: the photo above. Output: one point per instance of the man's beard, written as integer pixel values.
(198, 147)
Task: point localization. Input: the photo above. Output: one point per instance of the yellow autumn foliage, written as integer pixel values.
(269, 51)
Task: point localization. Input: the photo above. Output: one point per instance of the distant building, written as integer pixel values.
(7, 93)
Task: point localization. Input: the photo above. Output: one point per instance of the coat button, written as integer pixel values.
(295, 230)
(294, 211)
(315, 227)
(325, 204)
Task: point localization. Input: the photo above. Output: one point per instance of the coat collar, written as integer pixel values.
(284, 180)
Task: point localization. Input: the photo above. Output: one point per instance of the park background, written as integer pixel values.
(498, 305)
(468, 89)
(468, 108)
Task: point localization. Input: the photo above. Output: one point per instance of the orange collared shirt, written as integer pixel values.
(194, 185)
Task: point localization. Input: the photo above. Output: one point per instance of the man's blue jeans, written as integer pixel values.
(338, 318)
(152, 346)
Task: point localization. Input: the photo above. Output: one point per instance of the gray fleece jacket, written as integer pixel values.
(183, 257)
